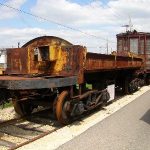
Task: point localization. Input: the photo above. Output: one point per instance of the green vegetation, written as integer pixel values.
(6, 105)
(89, 86)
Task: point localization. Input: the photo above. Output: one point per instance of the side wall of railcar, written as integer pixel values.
(138, 43)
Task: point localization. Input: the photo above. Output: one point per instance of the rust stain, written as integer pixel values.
(51, 56)
(103, 62)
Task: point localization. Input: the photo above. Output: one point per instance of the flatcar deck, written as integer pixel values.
(102, 62)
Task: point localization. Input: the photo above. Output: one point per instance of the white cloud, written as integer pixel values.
(115, 13)
(24, 35)
(71, 13)
(90, 18)
(109, 17)
(7, 13)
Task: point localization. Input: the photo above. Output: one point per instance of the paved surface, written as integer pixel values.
(127, 129)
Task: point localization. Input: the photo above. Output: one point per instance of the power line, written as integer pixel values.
(115, 14)
(112, 10)
(54, 22)
(28, 25)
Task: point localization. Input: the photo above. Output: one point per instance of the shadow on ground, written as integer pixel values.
(146, 117)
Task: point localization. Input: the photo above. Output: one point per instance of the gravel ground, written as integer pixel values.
(3, 148)
(43, 127)
(13, 139)
(7, 114)
(17, 131)
(18, 134)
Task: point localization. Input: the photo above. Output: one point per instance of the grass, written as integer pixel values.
(6, 105)
(89, 86)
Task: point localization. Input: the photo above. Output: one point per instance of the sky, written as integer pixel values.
(98, 20)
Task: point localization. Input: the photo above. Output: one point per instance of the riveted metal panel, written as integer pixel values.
(17, 61)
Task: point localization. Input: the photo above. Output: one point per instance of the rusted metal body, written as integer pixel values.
(47, 56)
(92, 62)
(136, 42)
(51, 71)
(26, 83)
(101, 62)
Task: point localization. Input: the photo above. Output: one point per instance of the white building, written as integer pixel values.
(3, 60)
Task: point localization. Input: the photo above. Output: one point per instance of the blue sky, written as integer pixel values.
(22, 20)
(101, 18)
(85, 2)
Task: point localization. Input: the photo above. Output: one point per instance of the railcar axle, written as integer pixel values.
(67, 108)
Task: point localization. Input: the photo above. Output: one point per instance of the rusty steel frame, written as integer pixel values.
(101, 62)
(94, 63)
(19, 83)
(140, 36)
(72, 65)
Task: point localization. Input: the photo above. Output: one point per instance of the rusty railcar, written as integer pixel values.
(50, 71)
(138, 43)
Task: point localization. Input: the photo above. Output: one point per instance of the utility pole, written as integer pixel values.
(130, 23)
(107, 46)
(18, 44)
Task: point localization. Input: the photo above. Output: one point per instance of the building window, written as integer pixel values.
(148, 46)
(120, 45)
(141, 51)
(134, 45)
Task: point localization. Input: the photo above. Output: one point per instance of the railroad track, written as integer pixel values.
(18, 132)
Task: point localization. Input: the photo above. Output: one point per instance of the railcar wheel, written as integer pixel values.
(22, 108)
(54, 108)
(61, 112)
